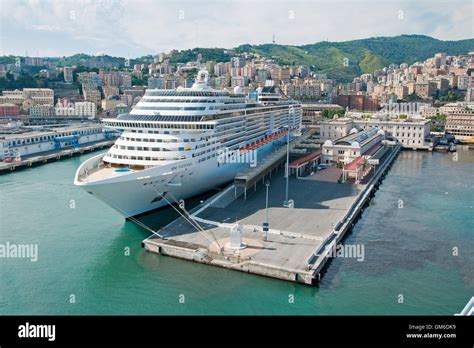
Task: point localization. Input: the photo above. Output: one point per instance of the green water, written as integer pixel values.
(408, 251)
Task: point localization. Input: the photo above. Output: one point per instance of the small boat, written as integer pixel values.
(8, 159)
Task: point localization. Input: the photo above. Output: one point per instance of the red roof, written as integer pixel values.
(372, 150)
(355, 163)
(296, 163)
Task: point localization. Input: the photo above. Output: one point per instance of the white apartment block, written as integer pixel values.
(460, 123)
(12, 97)
(41, 110)
(452, 107)
(85, 109)
(64, 110)
(463, 81)
(240, 81)
(79, 109)
(429, 111)
(302, 91)
(68, 74)
(470, 94)
(91, 94)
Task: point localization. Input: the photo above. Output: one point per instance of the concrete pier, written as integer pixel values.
(299, 239)
(47, 156)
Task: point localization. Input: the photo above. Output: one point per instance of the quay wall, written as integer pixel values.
(41, 159)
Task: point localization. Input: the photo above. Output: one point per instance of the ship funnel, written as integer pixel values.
(202, 79)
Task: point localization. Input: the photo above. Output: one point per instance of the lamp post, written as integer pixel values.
(287, 169)
(265, 224)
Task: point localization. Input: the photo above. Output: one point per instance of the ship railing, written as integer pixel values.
(90, 166)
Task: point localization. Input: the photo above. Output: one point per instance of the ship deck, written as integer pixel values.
(104, 173)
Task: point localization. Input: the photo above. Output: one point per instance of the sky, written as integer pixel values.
(132, 28)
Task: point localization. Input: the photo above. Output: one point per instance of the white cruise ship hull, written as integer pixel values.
(137, 192)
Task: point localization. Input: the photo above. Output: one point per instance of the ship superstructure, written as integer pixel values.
(179, 143)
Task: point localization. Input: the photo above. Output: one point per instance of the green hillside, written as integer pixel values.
(339, 60)
(217, 54)
(344, 60)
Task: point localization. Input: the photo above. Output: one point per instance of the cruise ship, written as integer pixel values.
(178, 143)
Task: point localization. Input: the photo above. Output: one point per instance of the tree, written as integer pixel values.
(139, 82)
(328, 113)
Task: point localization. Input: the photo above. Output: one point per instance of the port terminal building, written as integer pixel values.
(22, 141)
(355, 152)
(411, 133)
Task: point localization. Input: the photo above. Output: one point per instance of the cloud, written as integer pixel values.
(45, 27)
(137, 27)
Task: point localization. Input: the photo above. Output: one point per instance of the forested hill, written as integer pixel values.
(343, 60)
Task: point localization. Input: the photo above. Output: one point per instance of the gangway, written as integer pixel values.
(73, 139)
(250, 176)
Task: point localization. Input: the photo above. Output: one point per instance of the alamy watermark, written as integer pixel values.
(21, 251)
(401, 108)
(347, 251)
(236, 156)
(37, 331)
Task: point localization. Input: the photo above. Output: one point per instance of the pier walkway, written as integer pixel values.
(298, 241)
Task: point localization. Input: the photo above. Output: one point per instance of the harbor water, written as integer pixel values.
(417, 233)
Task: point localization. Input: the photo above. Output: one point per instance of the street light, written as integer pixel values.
(286, 202)
(265, 224)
